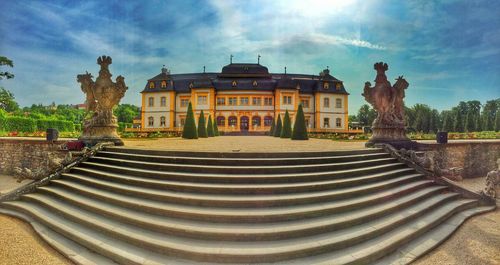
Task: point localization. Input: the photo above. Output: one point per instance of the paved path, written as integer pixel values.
(243, 144)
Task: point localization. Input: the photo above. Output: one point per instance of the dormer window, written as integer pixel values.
(338, 86)
(163, 84)
(254, 83)
(234, 83)
(191, 85)
(151, 84)
(326, 85)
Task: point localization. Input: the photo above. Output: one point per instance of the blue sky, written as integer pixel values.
(448, 50)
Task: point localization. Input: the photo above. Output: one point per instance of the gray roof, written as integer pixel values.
(245, 75)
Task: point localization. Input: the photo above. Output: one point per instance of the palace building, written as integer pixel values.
(244, 97)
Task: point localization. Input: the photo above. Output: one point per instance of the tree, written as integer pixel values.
(202, 129)
(473, 115)
(125, 112)
(460, 116)
(189, 130)
(286, 131)
(488, 115)
(7, 101)
(6, 61)
(210, 127)
(279, 125)
(216, 129)
(447, 117)
(497, 121)
(271, 131)
(366, 115)
(299, 127)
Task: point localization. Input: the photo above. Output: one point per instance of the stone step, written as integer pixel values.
(228, 215)
(194, 168)
(241, 252)
(228, 188)
(243, 154)
(241, 178)
(228, 200)
(235, 231)
(255, 161)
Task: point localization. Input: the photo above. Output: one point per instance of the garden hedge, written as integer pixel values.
(279, 125)
(299, 127)
(189, 130)
(286, 130)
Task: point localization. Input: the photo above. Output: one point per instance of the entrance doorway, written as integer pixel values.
(244, 123)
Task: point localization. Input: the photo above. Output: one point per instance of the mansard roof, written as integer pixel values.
(240, 76)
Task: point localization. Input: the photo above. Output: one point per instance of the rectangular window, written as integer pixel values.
(305, 103)
(287, 100)
(257, 101)
(326, 102)
(326, 123)
(307, 121)
(244, 101)
(151, 102)
(183, 121)
(202, 100)
(221, 101)
(338, 122)
(232, 101)
(268, 101)
(163, 101)
(338, 103)
(184, 102)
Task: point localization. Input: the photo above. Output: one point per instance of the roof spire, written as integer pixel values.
(258, 59)
(203, 69)
(165, 70)
(285, 70)
(231, 59)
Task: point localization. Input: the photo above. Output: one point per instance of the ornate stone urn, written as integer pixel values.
(101, 96)
(387, 100)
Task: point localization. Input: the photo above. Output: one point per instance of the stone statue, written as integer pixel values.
(101, 96)
(492, 188)
(387, 100)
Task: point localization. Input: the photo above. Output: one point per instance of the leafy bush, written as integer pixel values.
(299, 127)
(202, 128)
(19, 124)
(286, 131)
(60, 125)
(123, 125)
(189, 130)
(210, 127)
(279, 125)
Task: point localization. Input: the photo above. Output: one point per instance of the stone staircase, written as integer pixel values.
(132, 206)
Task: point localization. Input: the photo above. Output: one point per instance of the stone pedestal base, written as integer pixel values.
(98, 134)
(394, 135)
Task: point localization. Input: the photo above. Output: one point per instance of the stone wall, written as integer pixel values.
(476, 158)
(27, 153)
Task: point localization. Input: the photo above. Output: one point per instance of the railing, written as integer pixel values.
(236, 129)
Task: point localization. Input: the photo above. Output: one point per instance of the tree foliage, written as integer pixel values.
(202, 128)
(216, 128)
(7, 100)
(279, 125)
(286, 130)
(126, 112)
(210, 127)
(271, 130)
(7, 62)
(189, 130)
(299, 127)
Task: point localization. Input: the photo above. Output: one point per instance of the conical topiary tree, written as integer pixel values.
(299, 127)
(277, 128)
(202, 128)
(216, 129)
(271, 131)
(189, 130)
(286, 130)
(210, 127)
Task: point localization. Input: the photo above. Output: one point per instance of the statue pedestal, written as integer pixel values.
(101, 133)
(390, 134)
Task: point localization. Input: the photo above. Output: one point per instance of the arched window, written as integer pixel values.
(338, 103)
(254, 83)
(151, 121)
(255, 121)
(234, 83)
(232, 121)
(151, 102)
(221, 121)
(326, 102)
(163, 84)
(151, 84)
(163, 121)
(268, 120)
(338, 122)
(163, 101)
